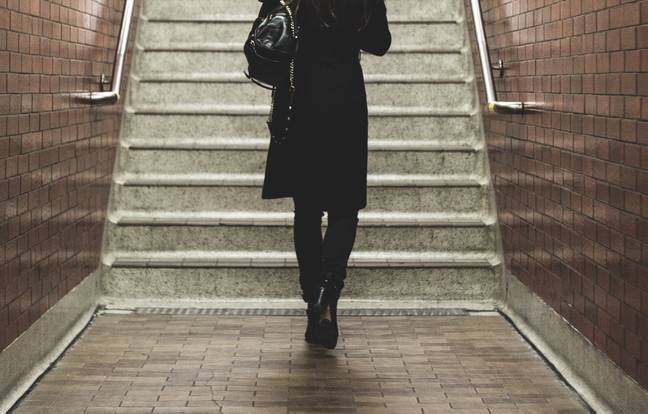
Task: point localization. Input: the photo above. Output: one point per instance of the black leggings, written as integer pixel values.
(319, 257)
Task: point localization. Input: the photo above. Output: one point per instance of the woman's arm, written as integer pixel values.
(375, 38)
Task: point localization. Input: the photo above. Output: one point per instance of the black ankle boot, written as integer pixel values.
(312, 326)
(328, 295)
(328, 329)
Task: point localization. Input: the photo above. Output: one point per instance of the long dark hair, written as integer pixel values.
(332, 13)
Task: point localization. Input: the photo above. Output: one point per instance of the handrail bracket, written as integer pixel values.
(487, 69)
(110, 86)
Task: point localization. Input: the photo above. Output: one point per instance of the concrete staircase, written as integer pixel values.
(187, 220)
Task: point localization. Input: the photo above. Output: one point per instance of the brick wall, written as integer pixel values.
(571, 182)
(56, 155)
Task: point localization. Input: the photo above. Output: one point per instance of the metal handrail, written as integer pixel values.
(491, 95)
(112, 96)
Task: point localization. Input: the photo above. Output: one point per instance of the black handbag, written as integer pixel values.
(271, 47)
(270, 50)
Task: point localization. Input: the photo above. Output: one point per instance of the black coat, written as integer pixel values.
(324, 157)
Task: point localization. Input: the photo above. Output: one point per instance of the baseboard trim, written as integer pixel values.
(33, 352)
(600, 382)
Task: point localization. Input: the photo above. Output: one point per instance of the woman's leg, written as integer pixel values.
(336, 249)
(338, 244)
(307, 233)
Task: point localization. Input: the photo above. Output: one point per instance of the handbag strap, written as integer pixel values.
(256, 82)
(295, 35)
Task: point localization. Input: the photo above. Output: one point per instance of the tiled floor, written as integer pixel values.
(140, 363)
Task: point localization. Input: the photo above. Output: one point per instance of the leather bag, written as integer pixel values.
(271, 47)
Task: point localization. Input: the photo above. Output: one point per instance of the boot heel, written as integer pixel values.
(312, 326)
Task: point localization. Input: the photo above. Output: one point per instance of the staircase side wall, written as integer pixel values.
(571, 181)
(56, 164)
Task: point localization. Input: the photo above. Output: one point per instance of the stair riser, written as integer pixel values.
(458, 96)
(197, 9)
(280, 238)
(400, 283)
(253, 162)
(174, 33)
(187, 62)
(414, 199)
(445, 129)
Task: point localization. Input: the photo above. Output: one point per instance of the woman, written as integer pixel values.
(322, 164)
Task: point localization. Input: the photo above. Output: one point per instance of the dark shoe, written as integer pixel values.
(329, 293)
(328, 329)
(313, 321)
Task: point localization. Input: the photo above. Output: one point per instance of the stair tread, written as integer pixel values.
(236, 77)
(215, 179)
(217, 143)
(240, 258)
(265, 218)
(249, 18)
(243, 109)
(236, 47)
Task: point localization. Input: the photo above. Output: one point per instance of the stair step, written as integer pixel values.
(265, 218)
(458, 199)
(234, 237)
(266, 258)
(243, 193)
(239, 77)
(165, 32)
(425, 283)
(262, 144)
(264, 110)
(395, 49)
(224, 58)
(133, 230)
(248, 18)
(456, 95)
(252, 180)
(253, 160)
(460, 128)
(207, 9)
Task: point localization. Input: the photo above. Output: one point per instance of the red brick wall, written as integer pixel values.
(571, 182)
(56, 156)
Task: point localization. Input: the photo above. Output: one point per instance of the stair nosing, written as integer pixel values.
(248, 259)
(249, 18)
(281, 219)
(236, 77)
(263, 110)
(261, 144)
(256, 180)
(196, 47)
